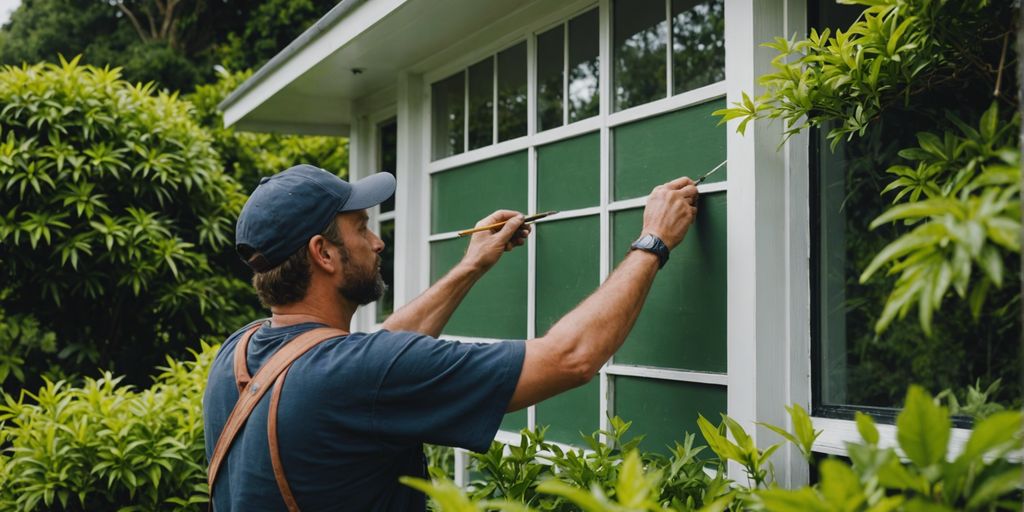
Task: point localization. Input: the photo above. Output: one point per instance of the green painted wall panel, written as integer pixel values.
(460, 197)
(568, 266)
(653, 151)
(496, 306)
(664, 411)
(514, 421)
(683, 323)
(568, 269)
(572, 412)
(569, 173)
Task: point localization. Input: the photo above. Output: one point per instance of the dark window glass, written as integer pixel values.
(550, 72)
(512, 92)
(387, 155)
(855, 369)
(448, 98)
(386, 303)
(640, 30)
(584, 66)
(481, 104)
(698, 43)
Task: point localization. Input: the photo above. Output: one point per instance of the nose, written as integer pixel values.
(378, 244)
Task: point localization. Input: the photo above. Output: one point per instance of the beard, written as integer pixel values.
(361, 286)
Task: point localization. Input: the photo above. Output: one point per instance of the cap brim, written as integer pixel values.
(370, 191)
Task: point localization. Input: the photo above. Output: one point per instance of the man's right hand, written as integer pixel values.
(670, 210)
(486, 247)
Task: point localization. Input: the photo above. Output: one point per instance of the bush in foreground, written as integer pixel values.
(107, 446)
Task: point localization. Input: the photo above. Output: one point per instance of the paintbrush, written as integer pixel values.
(709, 173)
(527, 220)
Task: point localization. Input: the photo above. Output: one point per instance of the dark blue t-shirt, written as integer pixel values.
(353, 415)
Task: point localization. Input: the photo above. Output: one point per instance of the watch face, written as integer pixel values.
(645, 242)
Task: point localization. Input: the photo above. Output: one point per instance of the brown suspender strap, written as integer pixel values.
(242, 376)
(257, 387)
(275, 452)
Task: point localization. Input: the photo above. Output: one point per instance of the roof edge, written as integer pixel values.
(322, 25)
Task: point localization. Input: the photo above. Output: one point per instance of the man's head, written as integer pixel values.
(306, 221)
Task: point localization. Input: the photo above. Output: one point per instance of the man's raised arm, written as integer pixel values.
(576, 347)
(428, 313)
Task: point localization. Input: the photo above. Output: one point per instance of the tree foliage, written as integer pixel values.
(116, 218)
(175, 43)
(944, 62)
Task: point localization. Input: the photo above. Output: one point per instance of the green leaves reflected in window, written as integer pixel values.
(698, 43)
(481, 104)
(550, 78)
(584, 66)
(640, 33)
(448, 105)
(512, 92)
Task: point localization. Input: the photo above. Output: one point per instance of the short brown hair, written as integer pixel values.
(288, 282)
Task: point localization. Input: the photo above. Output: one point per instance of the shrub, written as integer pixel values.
(116, 219)
(106, 446)
(921, 476)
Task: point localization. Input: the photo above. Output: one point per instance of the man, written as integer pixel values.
(355, 409)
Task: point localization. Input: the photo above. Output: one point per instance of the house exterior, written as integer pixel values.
(582, 107)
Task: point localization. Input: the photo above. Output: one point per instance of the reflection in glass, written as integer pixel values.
(386, 303)
(698, 43)
(550, 67)
(481, 104)
(584, 66)
(512, 92)
(640, 34)
(387, 156)
(448, 97)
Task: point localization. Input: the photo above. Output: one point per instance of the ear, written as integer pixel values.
(321, 256)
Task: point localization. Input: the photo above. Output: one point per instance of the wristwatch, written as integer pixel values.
(651, 243)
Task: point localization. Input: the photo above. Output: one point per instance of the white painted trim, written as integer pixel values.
(836, 433)
(718, 379)
(606, 402)
(669, 104)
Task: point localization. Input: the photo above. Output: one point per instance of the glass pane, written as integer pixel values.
(496, 306)
(698, 43)
(481, 104)
(855, 368)
(512, 92)
(448, 98)
(569, 173)
(659, 149)
(462, 196)
(584, 66)
(550, 70)
(683, 322)
(570, 413)
(387, 155)
(640, 35)
(386, 304)
(664, 411)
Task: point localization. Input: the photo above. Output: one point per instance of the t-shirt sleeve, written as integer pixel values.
(446, 392)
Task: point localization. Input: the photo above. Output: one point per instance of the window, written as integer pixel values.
(644, 67)
(853, 368)
(673, 365)
(568, 67)
(387, 161)
(480, 105)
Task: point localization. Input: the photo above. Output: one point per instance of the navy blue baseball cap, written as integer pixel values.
(292, 206)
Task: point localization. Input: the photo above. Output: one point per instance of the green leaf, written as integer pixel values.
(1000, 485)
(867, 429)
(922, 428)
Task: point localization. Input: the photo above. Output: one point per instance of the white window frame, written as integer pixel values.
(603, 124)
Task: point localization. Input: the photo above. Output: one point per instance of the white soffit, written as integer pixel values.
(308, 88)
